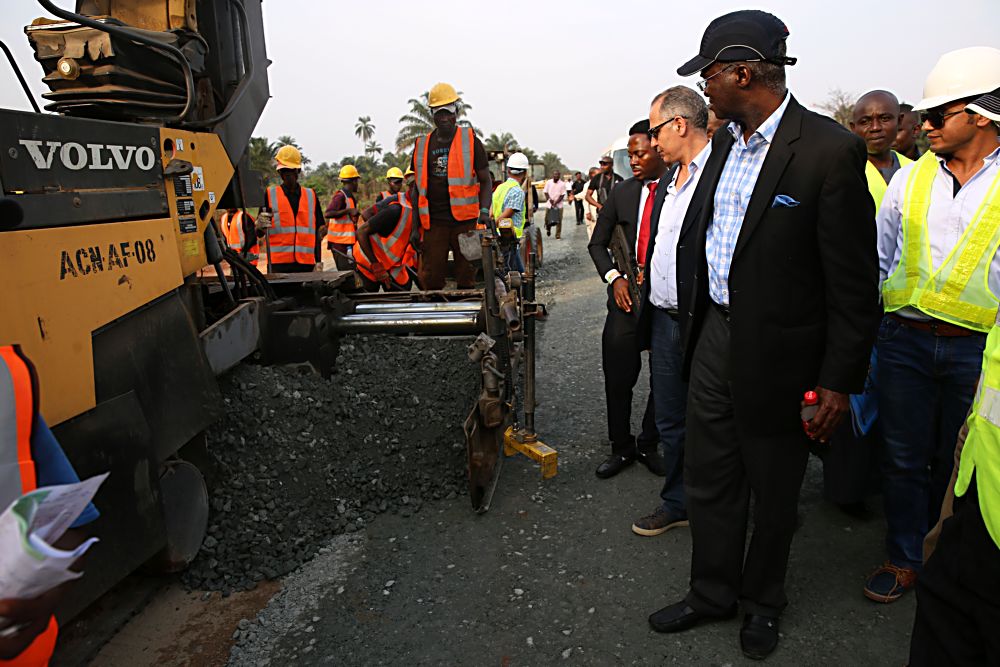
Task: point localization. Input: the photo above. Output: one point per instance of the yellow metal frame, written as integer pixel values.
(520, 441)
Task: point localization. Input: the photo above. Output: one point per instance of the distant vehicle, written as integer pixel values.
(618, 151)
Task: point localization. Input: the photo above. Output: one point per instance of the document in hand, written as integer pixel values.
(29, 564)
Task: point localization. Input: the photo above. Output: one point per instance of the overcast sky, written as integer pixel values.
(568, 77)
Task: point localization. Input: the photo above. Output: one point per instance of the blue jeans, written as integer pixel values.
(670, 399)
(512, 257)
(926, 385)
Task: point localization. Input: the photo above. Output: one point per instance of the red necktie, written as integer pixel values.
(647, 213)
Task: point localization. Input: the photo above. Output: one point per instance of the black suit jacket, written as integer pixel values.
(803, 283)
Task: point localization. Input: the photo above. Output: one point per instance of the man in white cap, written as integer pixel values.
(956, 614)
(507, 210)
(938, 232)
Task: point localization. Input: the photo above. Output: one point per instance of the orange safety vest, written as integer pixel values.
(342, 229)
(232, 227)
(391, 251)
(463, 184)
(293, 237)
(18, 414)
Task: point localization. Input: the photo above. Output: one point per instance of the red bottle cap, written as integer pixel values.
(811, 398)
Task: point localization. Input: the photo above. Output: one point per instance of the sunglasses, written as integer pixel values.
(704, 82)
(936, 117)
(654, 132)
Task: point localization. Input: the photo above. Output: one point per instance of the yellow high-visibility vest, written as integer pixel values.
(499, 195)
(876, 184)
(958, 291)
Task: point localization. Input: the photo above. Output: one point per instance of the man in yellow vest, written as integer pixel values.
(452, 190)
(938, 233)
(508, 210)
(875, 118)
(957, 615)
(30, 457)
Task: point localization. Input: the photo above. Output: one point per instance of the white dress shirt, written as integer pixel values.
(610, 276)
(947, 217)
(663, 272)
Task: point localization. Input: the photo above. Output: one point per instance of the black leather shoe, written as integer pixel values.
(679, 617)
(653, 461)
(759, 636)
(613, 465)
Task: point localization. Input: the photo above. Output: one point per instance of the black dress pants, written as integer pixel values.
(578, 204)
(722, 466)
(622, 360)
(958, 593)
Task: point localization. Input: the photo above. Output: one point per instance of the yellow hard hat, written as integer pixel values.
(441, 94)
(394, 172)
(349, 171)
(288, 157)
(409, 172)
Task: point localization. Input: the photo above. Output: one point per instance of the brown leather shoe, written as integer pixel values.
(889, 582)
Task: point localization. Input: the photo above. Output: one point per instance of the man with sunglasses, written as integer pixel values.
(602, 183)
(777, 280)
(938, 230)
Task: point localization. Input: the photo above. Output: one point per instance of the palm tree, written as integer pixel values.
(262, 157)
(501, 142)
(373, 148)
(364, 129)
(419, 121)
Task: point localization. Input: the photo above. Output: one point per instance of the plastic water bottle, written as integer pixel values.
(809, 409)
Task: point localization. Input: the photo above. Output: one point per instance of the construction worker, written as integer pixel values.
(410, 178)
(453, 188)
(956, 614)
(241, 234)
(292, 217)
(342, 214)
(30, 457)
(508, 210)
(908, 133)
(394, 180)
(875, 118)
(938, 232)
(383, 240)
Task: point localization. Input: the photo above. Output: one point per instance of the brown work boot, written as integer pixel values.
(660, 521)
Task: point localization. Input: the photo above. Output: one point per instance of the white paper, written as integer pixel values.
(29, 564)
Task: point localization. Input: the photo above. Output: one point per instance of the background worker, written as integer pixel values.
(589, 209)
(394, 182)
(777, 282)
(293, 217)
(875, 118)
(602, 183)
(576, 190)
(908, 132)
(452, 189)
(240, 231)
(630, 205)
(957, 615)
(342, 217)
(937, 309)
(509, 204)
(555, 194)
(677, 118)
(382, 245)
(28, 629)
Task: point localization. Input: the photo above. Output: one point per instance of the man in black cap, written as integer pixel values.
(778, 283)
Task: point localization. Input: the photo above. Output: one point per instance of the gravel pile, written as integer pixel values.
(301, 459)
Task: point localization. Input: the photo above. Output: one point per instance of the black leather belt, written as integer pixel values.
(672, 312)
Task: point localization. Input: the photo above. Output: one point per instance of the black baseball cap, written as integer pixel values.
(987, 105)
(748, 34)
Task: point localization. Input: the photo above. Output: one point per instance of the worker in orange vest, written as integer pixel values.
(383, 240)
(453, 190)
(30, 457)
(394, 181)
(293, 218)
(342, 214)
(241, 234)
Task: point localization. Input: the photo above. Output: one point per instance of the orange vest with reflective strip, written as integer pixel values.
(342, 229)
(391, 251)
(18, 412)
(232, 227)
(293, 237)
(463, 184)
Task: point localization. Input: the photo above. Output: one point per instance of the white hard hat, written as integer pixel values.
(960, 74)
(518, 161)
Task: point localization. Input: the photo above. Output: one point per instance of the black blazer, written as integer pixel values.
(622, 208)
(803, 283)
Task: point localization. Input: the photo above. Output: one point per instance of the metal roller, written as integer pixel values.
(422, 322)
(407, 307)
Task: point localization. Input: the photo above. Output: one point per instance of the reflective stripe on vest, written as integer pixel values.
(18, 411)
(232, 227)
(876, 184)
(497, 208)
(342, 228)
(981, 452)
(463, 184)
(958, 291)
(293, 237)
(391, 251)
